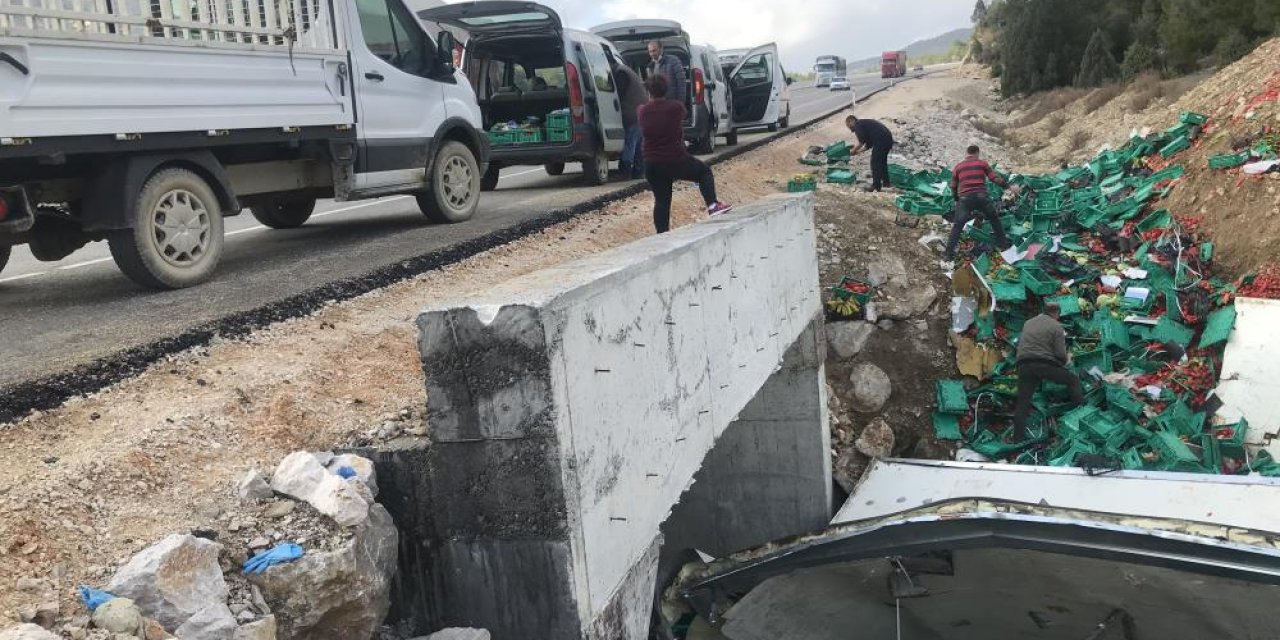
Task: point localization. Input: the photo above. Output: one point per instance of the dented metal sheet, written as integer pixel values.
(1251, 366)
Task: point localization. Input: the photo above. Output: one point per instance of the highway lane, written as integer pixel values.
(55, 316)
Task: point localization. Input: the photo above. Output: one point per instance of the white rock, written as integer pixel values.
(361, 465)
(28, 631)
(264, 629)
(876, 440)
(344, 593)
(298, 475)
(254, 487)
(847, 339)
(458, 633)
(341, 500)
(118, 615)
(213, 622)
(173, 579)
(871, 388)
(323, 457)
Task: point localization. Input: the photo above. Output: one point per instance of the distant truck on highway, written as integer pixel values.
(145, 123)
(828, 68)
(893, 64)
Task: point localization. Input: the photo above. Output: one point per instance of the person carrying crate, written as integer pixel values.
(969, 185)
(1042, 355)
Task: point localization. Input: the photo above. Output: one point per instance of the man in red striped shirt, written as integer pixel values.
(969, 184)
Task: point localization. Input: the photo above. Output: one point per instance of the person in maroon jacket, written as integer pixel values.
(665, 158)
(969, 184)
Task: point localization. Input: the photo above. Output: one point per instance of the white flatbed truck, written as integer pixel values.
(144, 123)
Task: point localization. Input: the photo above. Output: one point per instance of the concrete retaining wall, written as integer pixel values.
(570, 409)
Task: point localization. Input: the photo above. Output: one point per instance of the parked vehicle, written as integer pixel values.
(146, 124)
(525, 64)
(840, 83)
(758, 87)
(706, 119)
(919, 67)
(828, 68)
(893, 64)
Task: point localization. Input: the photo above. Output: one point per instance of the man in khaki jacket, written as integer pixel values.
(1042, 355)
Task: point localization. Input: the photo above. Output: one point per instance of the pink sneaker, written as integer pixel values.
(718, 208)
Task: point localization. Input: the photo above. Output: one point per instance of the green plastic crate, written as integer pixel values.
(1218, 326)
(838, 150)
(1100, 358)
(1170, 330)
(839, 292)
(947, 427)
(951, 397)
(559, 135)
(1009, 291)
(1037, 281)
(840, 176)
(559, 121)
(1178, 145)
(515, 137)
(1161, 219)
(1172, 450)
(1068, 304)
(800, 186)
(1229, 160)
(1193, 118)
(1122, 400)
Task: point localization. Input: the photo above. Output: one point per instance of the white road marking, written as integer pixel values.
(23, 276)
(83, 264)
(519, 173)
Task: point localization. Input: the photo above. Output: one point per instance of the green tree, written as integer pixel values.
(979, 12)
(1232, 48)
(1097, 67)
(1139, 59)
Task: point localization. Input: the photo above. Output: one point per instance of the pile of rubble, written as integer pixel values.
(1146, 318)
(309, 553)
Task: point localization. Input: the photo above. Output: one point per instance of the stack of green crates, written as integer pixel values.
(511, 137)
(559, 127)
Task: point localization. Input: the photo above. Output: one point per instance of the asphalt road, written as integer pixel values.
(57, 315)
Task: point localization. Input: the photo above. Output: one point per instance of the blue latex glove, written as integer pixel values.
(94, 598)
(280, 554)
(347, 473)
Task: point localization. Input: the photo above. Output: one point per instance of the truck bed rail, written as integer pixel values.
(296, 25)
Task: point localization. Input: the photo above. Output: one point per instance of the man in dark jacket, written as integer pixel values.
(670, 68)
(1042, 355)
(633, 95)
(873, 135)
(969, 184)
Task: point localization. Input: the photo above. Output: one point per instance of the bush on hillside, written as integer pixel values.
(1097, 67)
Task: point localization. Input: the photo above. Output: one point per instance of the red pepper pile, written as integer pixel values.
(1264, 285)
(856, 287)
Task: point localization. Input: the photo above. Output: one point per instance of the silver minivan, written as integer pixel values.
(707, 96)
(526, 66)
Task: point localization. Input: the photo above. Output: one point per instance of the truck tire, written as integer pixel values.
(455, 185)
(5, 250)
(554, 168)
(596, 168)
(731, 138)
(491, 176)
(176, 240)
(284, 213)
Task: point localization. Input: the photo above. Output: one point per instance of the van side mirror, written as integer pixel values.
(445, 44)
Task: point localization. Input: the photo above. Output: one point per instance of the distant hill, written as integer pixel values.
(932, 46)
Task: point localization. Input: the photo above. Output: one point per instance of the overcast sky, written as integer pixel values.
(804, 29)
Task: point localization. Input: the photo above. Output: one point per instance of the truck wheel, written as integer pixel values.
(176, 239)
(596, 168)
(455, 185)
(731, 138)
(490, 180)
(284, 213)
(554, 168)
(5, 250)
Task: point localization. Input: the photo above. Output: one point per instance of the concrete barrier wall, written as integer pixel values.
(570, 409)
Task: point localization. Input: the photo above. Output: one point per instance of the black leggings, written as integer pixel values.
(663, 175)
(975, 206)
(1030, 374)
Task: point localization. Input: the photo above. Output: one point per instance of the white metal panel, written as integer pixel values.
(893, 486)
(1251, 367)
(85, 87)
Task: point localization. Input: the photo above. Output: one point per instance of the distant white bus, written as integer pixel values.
(828, 67)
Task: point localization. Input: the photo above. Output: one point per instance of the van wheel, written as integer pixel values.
(731, 138)
(455, 185)
(176, 235)
(284, 213)
(707, 144)
(5, 250)
(596, 168)
(554, 168)
(490, 180)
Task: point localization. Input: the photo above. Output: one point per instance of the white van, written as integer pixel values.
(524, 63)
(759, 88)
(707, 97)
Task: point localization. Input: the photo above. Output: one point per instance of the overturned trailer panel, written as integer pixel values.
(996, 567)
